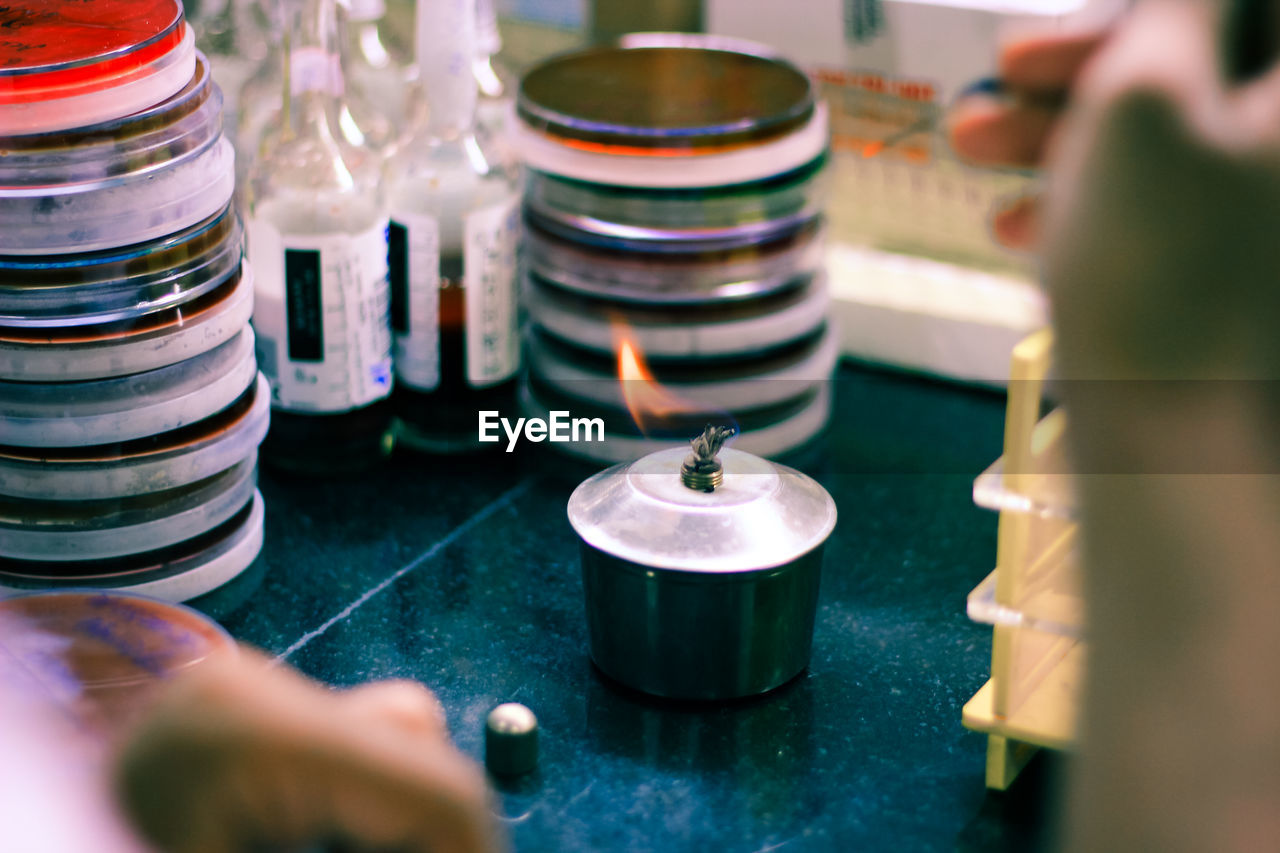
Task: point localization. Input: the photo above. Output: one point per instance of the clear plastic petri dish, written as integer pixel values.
(118, 211)
(100, 656)
(120, 348)
(673, 115)
(582, 204)
(659, 239)
(176, 573)
(711, 99)
(770, 431)
(120, 284)
(722, 385)
(109, 411)
(716, 330)
(94, 530)
(184, 123)
(142, 466)
(697, 277)
(67, 64)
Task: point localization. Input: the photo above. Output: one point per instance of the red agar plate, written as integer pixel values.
(69, 51)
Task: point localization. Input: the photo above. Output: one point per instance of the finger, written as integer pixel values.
(404, 704)
(1017, 225)
(1049, 62)
(990, 132)
(432, 799)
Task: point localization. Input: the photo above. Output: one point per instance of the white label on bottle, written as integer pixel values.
(311, 69)
(320, 312)
(415, 320)
(489, 265)
(489, 287)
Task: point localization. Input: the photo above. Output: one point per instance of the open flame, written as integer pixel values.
(656, 410)
(648, 402)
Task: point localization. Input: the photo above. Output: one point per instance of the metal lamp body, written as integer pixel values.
(693, 635)
(702, 596)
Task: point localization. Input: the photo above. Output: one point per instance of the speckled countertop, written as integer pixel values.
(465, 577)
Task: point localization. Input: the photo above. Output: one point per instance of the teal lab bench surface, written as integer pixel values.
(462, 573)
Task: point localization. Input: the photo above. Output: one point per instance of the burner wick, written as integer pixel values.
(701, 470)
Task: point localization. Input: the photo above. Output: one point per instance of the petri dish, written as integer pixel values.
(184, 123)
(664, 100)
(120, 284)
(67, 63)
(770, 431)
(676, 115)
(735, 384)
(118, 211)
(93, 530)
(680, 331)
(107, 411)
(777, 197)
(117, 349)
(713, 276)
(657, 238)
(177, 573)
(141, 466)
(99, 656)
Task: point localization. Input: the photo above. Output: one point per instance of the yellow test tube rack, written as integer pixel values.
(1032, 598)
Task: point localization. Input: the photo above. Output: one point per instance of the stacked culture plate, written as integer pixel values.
(131, 407)
(674, 217)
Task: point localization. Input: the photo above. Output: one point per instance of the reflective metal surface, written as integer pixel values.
(701, 594)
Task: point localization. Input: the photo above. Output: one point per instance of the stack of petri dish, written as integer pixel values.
(131, 407)
(674, 218)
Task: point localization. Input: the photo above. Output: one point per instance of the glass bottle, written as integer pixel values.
(258, 100)
(316, 231)
(227, 34)
(496, 82)
(375, 80)
(454, 226)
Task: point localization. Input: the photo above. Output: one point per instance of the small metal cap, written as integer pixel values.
(701, 470)
(510, 740)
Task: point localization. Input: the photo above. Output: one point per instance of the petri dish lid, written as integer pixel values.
(94, 530)
(65, 63)
(652, 279)
(177, 573)
(117, 211)
(623, 237)
(681, 332)
(112, 285)
(700, 207)
(185, 123)
(141, 466)
(676, 100)
(99, 655)
(772, 432)
(108, 411)
(118, 349)
(720, 386)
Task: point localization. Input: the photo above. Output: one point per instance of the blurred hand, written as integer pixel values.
(241, 756)
(1160, 240)
(1012, 122)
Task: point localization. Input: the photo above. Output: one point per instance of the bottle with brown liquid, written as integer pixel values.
(454, 204)
(316, 232)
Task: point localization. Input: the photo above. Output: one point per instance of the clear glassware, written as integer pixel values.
(259, 97)
(316, 230)
(234, 40)
(454, 203)
(375, 78)
(496, 82)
